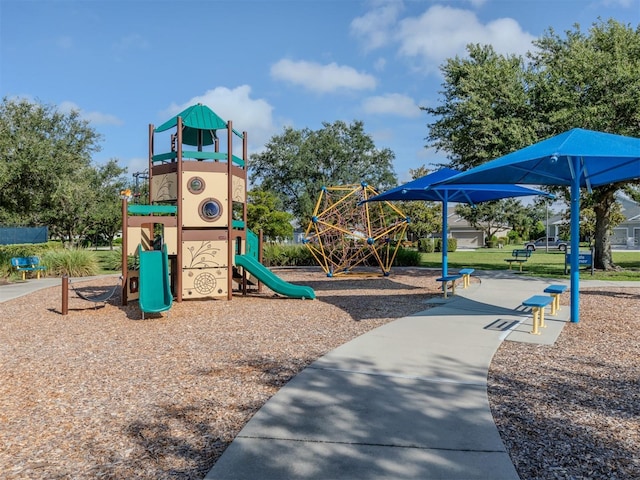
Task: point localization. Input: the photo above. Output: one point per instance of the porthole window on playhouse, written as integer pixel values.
(210, 210)
(195, 185)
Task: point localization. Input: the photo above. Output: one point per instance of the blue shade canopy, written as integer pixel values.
(603, 158)
(577, 158)
(428, 188)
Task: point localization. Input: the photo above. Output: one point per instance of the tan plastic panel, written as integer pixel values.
(134, 237)
(164, 188)
(204, 283)
(238, 188)
(205, 254)
(171, 240)
(215, 187)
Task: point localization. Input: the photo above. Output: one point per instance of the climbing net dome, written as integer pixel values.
(344, 232)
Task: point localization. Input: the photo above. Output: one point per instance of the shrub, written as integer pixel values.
(74, 262)
(492, 242)
(514, 238)
(111, 260)
(407, 258)
(426, 245)
(452, 244)
(279, 255)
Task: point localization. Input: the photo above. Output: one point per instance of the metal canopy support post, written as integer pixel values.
(575, 238)
(444, 243)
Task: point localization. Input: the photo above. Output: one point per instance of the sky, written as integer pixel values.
(265, 65)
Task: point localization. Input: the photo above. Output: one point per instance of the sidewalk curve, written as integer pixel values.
(407, 400)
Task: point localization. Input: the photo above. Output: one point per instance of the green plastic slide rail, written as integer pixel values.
(163, 157)
(151, 209)
(273, 281)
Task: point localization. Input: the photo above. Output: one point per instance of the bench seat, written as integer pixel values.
(445, 280)
(538, 304)
(555, 291)
(519, 257)
(27, 264)
(466, 274)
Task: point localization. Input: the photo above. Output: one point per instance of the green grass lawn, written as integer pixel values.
(540, 264)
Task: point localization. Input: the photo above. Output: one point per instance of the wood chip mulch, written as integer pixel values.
(101, 393)
(572, 410)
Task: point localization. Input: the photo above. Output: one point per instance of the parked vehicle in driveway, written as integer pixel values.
(542, 243)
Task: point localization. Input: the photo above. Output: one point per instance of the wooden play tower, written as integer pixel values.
(197, 206)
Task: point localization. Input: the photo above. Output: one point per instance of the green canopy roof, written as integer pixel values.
(196, 120)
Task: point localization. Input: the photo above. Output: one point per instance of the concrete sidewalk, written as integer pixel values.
(407, 400)
(32, 285)
(19, 289)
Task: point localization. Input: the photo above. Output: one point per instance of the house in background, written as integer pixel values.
(467, 235)
(627, 234)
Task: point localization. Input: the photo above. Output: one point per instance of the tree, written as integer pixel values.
(44, 156)
(489, 217)
(264, 213)
(298, 163)
(591, 81)
(71, 201)
(524, 219)
(588, 218)
(484, 112)
(425, 217)
(493, 105)
(106, 214)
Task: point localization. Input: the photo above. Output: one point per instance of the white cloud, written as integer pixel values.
(380, 64)
(391, 104)
(374, 27)
(95, 118)
(440, 32)
(321, 78)
(253, 116)
(444, 32)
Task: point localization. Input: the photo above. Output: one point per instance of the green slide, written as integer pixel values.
(155, 284)
(272, 281)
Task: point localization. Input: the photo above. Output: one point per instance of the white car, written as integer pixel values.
(542, 243)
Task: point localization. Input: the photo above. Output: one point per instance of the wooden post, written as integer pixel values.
(230, 239)
(179, 214)
(124, 251)
(65, 295)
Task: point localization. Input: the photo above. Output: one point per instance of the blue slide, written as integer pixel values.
(155, 284)
(272, 281)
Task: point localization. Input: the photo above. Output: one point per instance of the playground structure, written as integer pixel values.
(189, 239)
(345, 232)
